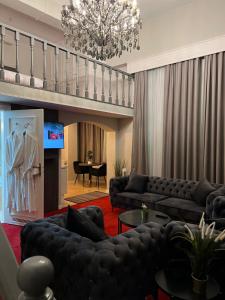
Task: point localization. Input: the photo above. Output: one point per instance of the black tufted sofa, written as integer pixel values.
(171, 196)
(119, 268)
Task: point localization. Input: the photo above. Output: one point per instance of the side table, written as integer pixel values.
(181, 288)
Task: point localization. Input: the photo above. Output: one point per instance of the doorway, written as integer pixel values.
(93, 146)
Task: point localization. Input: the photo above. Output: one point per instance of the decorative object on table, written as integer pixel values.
(201, 248)
(124, 171)
(144, 211)
(118, 167)
(102, 29)
(90, 156)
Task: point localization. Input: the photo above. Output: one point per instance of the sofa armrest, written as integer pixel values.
(117, 185)
(218, 207)
(43, 237)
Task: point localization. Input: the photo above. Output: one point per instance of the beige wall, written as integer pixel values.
(124, 141)
(26, 23)
(72, 149)
(69, 153)
(118, 144)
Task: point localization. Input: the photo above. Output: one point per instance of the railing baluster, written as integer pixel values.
(17, 57)
(95, 86)
(77, 75)
(86, 78)
(103, 83)
(2, 72)
(110, 85)
(45, 84)
(32, 62)
(123, 90)
(67, 72)
(117, 87)
(105, 92)
(56, 69)
(129, 92)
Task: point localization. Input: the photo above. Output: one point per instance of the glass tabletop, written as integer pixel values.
(136, 217)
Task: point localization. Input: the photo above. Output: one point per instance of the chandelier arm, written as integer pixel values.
(116, 21)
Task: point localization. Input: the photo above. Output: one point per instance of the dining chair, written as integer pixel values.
(99, 171)
(80, 170)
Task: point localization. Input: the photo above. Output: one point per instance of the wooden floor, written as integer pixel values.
(78, 188)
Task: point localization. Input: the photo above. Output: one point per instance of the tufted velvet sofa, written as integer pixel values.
(118, 268)
(171, 196)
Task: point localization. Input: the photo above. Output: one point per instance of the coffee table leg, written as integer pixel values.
(119, 227)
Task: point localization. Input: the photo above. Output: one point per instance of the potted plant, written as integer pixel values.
(201, 246)
(90, 156)
(118, 167)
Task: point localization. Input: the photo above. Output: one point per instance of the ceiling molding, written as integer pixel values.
(191, 51)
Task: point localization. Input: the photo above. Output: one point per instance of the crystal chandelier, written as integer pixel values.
(102, 28)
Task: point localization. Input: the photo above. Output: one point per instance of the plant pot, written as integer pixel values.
(199, 286)
(144, 214)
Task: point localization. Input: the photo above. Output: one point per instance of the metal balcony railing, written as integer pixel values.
(31, 61)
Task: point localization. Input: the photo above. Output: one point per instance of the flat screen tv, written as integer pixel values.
(53, 135)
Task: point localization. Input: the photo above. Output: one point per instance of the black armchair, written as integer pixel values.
(119, 268)
(98, 171)
(79, 170)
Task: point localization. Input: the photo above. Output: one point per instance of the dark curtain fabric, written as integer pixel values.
(214, 125)
(182, 150)
(140, 157)
(91, 137)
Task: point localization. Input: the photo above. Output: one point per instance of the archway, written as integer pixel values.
(70, 152)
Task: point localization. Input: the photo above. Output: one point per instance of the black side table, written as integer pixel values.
(136, 217)
(181, 288)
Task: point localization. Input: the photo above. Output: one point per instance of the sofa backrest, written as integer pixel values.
(178, 188)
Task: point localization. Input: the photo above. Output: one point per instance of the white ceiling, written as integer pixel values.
(153, 7)
(48, 11)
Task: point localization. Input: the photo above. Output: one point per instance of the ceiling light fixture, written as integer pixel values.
(102, 28)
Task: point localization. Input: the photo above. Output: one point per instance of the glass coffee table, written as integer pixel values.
(180, 288)
(136, 217)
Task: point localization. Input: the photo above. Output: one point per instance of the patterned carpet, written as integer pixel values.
(87, 197)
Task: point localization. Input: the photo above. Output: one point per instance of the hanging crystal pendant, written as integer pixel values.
(102, 28)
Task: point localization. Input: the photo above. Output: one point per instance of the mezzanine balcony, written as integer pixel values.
(37, 72)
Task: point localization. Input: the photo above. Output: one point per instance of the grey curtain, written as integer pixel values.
(182, 150)
(214, 123)
(91, 137)
(140, 157)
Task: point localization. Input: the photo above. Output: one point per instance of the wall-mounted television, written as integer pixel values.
(53, 135)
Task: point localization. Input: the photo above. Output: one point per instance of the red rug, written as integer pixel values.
(110, 221)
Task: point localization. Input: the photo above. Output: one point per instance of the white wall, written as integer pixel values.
(182, 28)
(178, 29)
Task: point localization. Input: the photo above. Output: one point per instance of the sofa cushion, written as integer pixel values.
(178, 188)
(181, 209)
(201, 191)
(136, 199)
(81, 224)
(137, 183)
